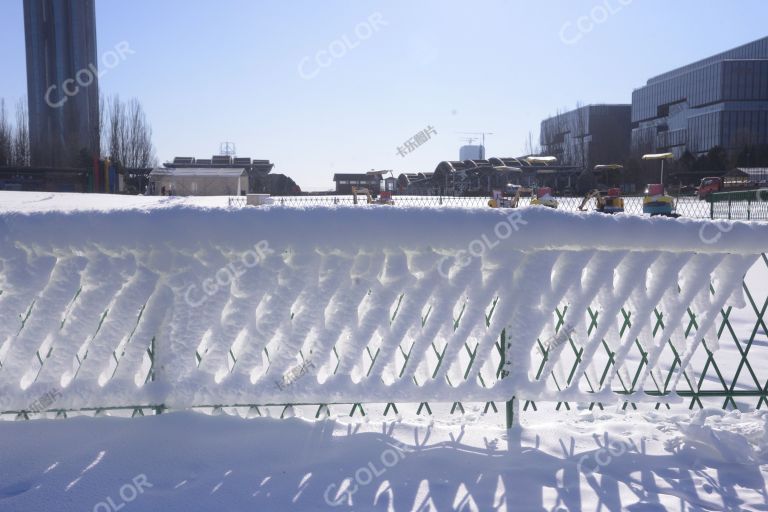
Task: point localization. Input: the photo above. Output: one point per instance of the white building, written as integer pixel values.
(472, 152)
(184, 181)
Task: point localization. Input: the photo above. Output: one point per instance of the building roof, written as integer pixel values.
(751, 51)
(222, 162)
(755, 173)
(353, 176)
(203, 172)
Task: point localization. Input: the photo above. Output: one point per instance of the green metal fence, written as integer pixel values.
(731, 377)
(740, 205)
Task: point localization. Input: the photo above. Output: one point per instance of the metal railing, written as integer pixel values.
(739, 207)
(392, 314)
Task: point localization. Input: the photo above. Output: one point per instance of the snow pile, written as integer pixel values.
(188, 306)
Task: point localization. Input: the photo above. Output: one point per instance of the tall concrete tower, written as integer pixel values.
(62, 81)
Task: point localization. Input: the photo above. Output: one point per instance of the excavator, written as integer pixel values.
(499, 201)
(384, 197)
(611, 202)
(543, 198)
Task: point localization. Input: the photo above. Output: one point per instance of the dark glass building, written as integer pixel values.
(62, 81)
(718, 101)
(588, 136)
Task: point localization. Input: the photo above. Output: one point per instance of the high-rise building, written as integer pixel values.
(588, 136)
(472, 152)
(718, 101)
(62, 81)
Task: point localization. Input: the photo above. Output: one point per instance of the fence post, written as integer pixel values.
(510, 406)
(749, 207)
(729, 206)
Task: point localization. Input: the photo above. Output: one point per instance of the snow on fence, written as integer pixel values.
(184, 307)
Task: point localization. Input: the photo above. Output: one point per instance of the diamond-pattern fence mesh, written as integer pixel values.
(125, 313)
(731, 375)
(686, 206)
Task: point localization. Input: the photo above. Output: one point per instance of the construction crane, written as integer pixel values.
(482, 138)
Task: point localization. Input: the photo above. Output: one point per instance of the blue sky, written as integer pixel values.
(249, 71)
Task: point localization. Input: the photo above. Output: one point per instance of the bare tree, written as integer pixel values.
(20, 147)
(128, 135)
(530, 147)
(102, 127)
(579, 131)
(6, 137)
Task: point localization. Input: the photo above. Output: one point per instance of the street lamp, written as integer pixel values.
(662, 157)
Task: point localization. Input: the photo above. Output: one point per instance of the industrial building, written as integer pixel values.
(588, 136)
(62, 82)
(49, 179)
(345, 181)
(200, 181)
(257, 171)
(718, 101)
(472, 152)
(481, 177)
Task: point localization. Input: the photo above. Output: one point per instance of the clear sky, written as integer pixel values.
(337, 86)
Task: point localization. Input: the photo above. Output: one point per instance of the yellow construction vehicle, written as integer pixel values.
(384, 197)
(611, 202)
(499, 201)
(544, 197)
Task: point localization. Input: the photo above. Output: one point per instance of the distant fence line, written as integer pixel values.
(738, 208)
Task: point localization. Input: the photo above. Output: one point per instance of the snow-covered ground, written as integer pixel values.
(567, 459)
(28, 202)
(190, 462)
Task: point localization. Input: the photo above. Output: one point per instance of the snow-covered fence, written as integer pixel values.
(184, 307)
